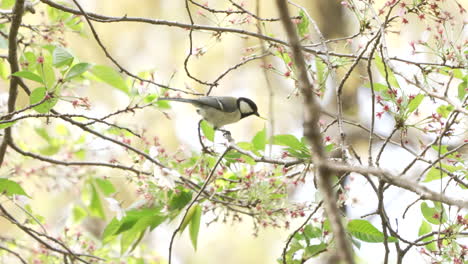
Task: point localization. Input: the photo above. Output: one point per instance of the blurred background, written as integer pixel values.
(143, 47)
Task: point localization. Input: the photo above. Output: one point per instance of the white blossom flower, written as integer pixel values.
(22, 200)
(167, 177)
(114, 206)
(164, 176)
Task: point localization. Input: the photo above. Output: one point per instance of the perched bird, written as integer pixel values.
(220, 110)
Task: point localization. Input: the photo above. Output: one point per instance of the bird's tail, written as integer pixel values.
(183, 100)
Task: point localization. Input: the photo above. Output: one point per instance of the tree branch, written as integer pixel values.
(312, 133)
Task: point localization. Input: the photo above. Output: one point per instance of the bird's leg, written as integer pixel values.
(226, 134)
(204, 148)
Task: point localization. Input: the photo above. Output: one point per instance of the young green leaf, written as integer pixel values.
(78, 213)
(303, 26)
(434, 215)
(37, 95)
(111, 230)
(47, 74)
(61, 57)
(29, 75)
(10, 188)
(194, 227)
(95, 206)
(188, 218)
(77, 70)
(445, 110)
(105, 186)
(7, 4)
(110, 76)
(128, 238)
(314, 250)
(259, 140)
(312, 232)
(287, 140)
(434, 174)
(208, 130)
(6, 124)
(180, 200)
(415, 102)
(4, 70)
(31, 58)
(463, 88)
(365, 231)
(426, 228)
(384, 70)
(321, 70)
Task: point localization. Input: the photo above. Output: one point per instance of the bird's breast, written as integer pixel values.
(218, 118)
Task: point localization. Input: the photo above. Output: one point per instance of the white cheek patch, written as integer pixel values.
(245, 108)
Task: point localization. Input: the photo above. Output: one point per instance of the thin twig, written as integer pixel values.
(194, 200)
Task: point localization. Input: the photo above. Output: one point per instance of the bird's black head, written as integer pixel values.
(247, 107)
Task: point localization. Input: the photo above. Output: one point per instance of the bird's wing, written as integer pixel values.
(223, 103)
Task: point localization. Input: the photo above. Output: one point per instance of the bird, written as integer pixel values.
(220, 110)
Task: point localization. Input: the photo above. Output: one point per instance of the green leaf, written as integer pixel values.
(42, 132)
(245, 145)
(434, 174)
(7, 4)
(445, 110)
(75, 23)
(162, 104)
(110, 76)
(50, 149)
(79, 213)
(303, 26)
(378, 87)
(321, 70)
(105, 186)
(95, 206)
(47, 74)
(4, 70)
(134, 235)
(365, 231)
(415, 102)
(434, 215)
(31, 59)
(208, 130)
(259, 140)
(128, 238)
(38, 95)
(110, 230)
(312, 232)
(391, 77)
(29, 75)
(77, 70)
(188, 218)
(180, 200)
(194, 227)
(287, 140)
(426, 228)
(463, 88)
(134, 222)
(314, 250)
(10, 188)
(6, 124)
(61, 57)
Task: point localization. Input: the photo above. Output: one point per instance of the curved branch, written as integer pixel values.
(18, 10)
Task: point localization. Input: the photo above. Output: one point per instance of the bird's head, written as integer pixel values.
(247, 107)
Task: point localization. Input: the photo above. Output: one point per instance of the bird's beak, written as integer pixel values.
(257, 114)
